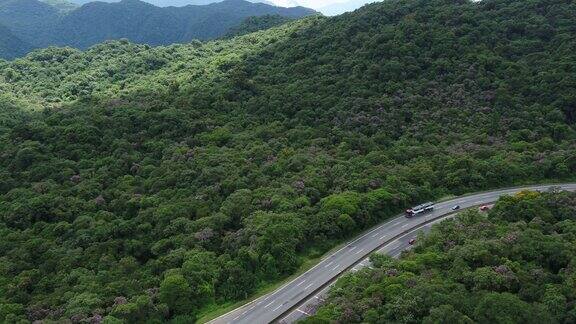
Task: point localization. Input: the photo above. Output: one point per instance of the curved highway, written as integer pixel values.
(391, 237)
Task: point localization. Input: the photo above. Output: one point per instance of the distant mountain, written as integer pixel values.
(10, 45)
(62, 5)
(342, 7)
(40, 24)
(144, 23)
(172, 3)
(30, 20)
(256, 23)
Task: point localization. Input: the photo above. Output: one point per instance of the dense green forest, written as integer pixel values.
(158, 183)
(515, 265)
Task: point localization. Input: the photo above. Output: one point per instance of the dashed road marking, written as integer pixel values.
(272, 302)
(326, 266)
(359, 251)
(303, 312)
(305, 288)
(275, 309)
(301, 282)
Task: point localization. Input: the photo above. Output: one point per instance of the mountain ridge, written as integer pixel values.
(42, 25)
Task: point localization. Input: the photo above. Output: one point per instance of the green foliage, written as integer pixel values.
(213, 169)
(438, 282)
(176, 293)
(346, 203)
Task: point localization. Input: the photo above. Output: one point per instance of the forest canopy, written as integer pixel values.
(159, 183)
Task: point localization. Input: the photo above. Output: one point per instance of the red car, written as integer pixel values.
(484, 208)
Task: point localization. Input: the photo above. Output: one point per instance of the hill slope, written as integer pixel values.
(10, 45)
(159, 183)
(29, 20)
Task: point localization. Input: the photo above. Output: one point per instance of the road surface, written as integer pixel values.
(285, 303)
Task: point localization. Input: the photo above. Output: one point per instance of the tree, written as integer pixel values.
(446, 314)
(177, 294)
(507, 308)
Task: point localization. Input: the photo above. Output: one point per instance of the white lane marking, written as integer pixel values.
(375, 235)
(235, 318)
(303, 312)
(275, 309)
(301, 282)
(405, 225)
(326, 266)
(359, 251)
(352, 248)
(308, 286)
(382, 237)
(272, 302)
(336, 267)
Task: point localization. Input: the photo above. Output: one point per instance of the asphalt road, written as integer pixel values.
(390, 237)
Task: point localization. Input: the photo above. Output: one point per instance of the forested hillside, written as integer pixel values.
(161, 183)
(10, 45)
(57, 23)
(515, 265)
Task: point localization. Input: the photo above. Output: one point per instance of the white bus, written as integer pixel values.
(424, 208)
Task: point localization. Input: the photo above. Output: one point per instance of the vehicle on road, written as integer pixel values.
(412, 241)
(484, 208)
(424, 208)
(456, 207)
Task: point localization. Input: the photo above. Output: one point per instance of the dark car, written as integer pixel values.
(456, 207)
(412, 241)
(484, 208)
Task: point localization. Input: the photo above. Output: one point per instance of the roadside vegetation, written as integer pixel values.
(141, 183)
(516, 264)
